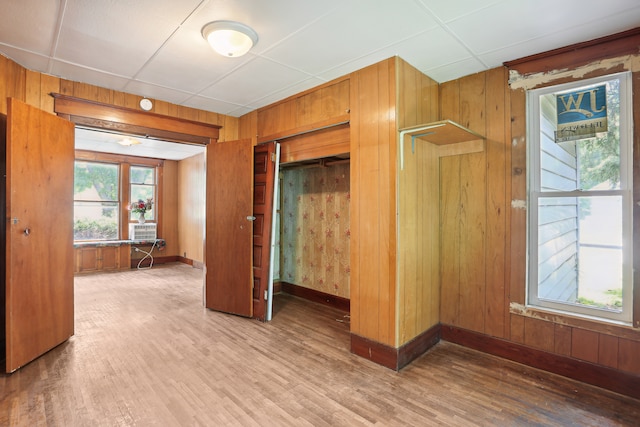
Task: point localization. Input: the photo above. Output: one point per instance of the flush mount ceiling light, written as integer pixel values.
(229, 38)
(128, 142)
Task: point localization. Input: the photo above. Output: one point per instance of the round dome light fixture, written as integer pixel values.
(229, 38)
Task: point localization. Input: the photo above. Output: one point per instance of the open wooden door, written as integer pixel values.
(39, 233)
(229, 225)
(265, 166)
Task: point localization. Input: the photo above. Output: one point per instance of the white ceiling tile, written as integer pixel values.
(31, 61)
(188, 60)
(287, 91)
(516, 21)
(454, 70)
(86, 75)
(350, 33)
(210, 104)
(562, 38)
(270, 75)
(448, 10)
(29, 24)
(154, 91)
(240, 111)
(95, 34)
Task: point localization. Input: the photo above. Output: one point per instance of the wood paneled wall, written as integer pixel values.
(373, 205)
(418, 208)
(170, 192)
(474, 207)
(600, 343)
(191, 198)
(305, 111)
(483, 237)
(34, 88)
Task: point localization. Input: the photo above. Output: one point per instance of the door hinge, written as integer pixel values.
(265, 294)
(273, 157)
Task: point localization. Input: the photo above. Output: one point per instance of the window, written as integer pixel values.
(143, 187)
(105, 184)
(580, 205)
(96, 201)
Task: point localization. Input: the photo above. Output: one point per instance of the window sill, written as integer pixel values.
(96, 244)
(610, 327)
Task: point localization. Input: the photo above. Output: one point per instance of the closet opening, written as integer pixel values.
(312, 245)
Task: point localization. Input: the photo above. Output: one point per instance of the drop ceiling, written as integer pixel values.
(107, 142)
(154, 48)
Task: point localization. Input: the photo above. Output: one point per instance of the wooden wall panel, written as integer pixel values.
(277, 118)
(584, 345)
(323, 103)
(170, 224)
(497, 134)
(517, 328)
(562, 340)
(410, 254)
(539, 334)
(191, 192)
(450, 188)
(518, 197)
(318, 107)
(12, 82)
(418, 208)
(248, 127)
(628, 351)
(373, 172)
(333, 141)
(608, 351)
(472, 227)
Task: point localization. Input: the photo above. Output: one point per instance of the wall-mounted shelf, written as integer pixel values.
(451, 137)
(442, 133)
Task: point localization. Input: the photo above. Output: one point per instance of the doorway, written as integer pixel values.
(177, 190)
(313, 231)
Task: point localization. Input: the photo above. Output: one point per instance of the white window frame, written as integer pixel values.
(534, 193)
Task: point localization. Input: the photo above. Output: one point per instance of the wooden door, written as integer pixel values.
(228, 276)
(263, 185)
(39, 233)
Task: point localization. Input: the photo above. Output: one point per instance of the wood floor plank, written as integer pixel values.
(147, 353)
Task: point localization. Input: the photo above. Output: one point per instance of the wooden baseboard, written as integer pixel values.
(195, 264)
(395, 358)
(156, 260)
(317, 296)
(185, 260)
(597, 375)
(277, 287)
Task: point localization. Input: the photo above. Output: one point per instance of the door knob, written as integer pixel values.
(251, 218)
(27, 231)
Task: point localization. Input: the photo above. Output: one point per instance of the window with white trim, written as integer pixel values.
(580, 198)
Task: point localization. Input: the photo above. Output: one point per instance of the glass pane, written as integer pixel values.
(142, 175)
(591, 163)
(580, 251)
(600, 254)
(95, 181)
(143, 193)
(95, 221)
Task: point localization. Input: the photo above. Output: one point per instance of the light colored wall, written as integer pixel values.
(191, 215)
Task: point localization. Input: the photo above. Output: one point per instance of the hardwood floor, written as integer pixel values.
(145, 352)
